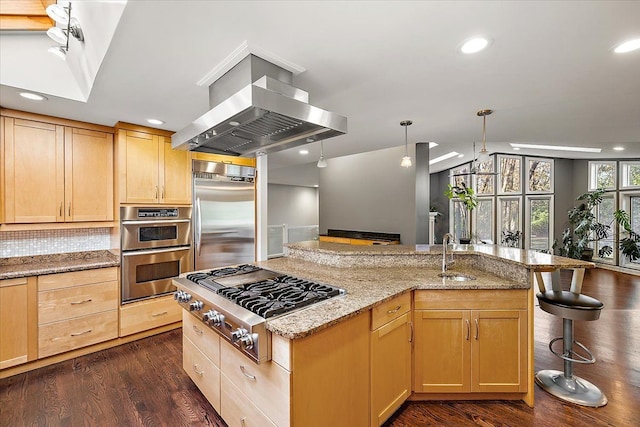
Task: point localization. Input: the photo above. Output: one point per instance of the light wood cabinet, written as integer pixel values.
(149, 314)
(18, 321)
(149, 171)
(461, 348)
(55, 173)
(77, 309)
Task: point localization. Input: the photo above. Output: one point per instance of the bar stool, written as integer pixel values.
(572, 305)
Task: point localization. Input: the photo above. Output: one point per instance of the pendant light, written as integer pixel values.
(322, 163)
(483, 155)
(406, 160)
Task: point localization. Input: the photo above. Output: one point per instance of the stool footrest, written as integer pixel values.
(572, 356)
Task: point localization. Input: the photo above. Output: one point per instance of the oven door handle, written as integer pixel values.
(155, 222)
(198, 228)
(156, 251)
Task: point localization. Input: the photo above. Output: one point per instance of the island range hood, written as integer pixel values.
(255, 111)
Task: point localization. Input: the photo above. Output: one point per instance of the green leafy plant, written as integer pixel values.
(467, 197)
(511, 238)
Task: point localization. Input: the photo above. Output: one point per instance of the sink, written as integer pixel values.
(457, 277)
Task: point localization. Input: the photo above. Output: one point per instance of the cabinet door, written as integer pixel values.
(141, 171)
(175, 174)
(442, 351)
(499, 351)
(18, 321)
(33, 171)
(88, 175)
(390, 368)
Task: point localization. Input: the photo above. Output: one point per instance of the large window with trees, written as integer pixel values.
(539, 175)
(510, 174)
(602, 174)
(630, 202)
(630, 175)
(485, 183)
(539, 221)
(509, 226)
(483, 220)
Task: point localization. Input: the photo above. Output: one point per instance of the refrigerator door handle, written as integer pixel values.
(198, 227)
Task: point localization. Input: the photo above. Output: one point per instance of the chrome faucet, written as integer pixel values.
(446, 263)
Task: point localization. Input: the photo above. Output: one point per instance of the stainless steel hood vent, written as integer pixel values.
(254, 111)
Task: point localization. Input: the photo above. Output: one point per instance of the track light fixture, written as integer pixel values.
(62, 16)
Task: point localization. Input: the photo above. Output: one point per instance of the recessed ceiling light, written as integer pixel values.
(33, 96)
(460, 156)
(443, 157)
(433, 144)
(303, 152)
(234, 123)
(155, 121)
(628, 46)
(618, 148)
(516, 148)
(473, 45)
(557, 148)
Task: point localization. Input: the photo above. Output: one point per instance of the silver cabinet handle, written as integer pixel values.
(60, 208)
(162, 313)
(468, 330)
(163, 192)
(197, 331)
(242, 421)
(80, 302)
(69, 209)
(244, 372)
(395, 310)
(156, 196)
(477, 329)
(411, 336)
(195, 369)
(75, 334)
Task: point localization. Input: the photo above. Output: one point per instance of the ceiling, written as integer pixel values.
(550, 74)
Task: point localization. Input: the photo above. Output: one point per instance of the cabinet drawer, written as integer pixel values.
(149, 314)
(75, 278)
(202, 371)
(67, 303)
(201, 336)
(390, 310)
(59, 337)
(237, 409)
(267, 385)
(489, 299)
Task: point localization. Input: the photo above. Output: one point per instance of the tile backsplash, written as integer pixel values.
(43, 242)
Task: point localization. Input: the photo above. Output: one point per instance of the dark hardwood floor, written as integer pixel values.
(143, 384)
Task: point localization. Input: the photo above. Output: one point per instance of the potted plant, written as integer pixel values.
(468, 201)
(584, 229)
(511, 238)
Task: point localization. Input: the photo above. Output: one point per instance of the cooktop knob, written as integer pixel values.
(182, 296)
(237, 334)
(195, 306)
(247, 341)
(213, 317)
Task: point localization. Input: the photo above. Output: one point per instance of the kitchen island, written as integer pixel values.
(400, 332)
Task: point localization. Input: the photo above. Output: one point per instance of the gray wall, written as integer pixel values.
(292, 205)
(305, 175)
(566, 183)
(439, 183)
(370, 192)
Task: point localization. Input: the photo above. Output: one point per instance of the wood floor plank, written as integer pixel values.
(142, 383)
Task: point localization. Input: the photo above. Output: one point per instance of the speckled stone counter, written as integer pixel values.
(372, 275)
(11, 268)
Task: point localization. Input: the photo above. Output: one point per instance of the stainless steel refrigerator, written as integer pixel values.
(223, 214)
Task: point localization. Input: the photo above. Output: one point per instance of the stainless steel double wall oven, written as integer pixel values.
(155, 247)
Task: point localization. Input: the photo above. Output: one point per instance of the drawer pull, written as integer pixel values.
(244, 372)
(196, 330)
(80, 302)
(395, 310)
(162, 313)
(477, 329)
(196, 370)
(242, 421)
(75, 334)
(468, 330)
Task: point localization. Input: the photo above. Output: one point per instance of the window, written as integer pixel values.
(539, 220)
(630, 174)
(604, 215)
(457, 180)
(509, 225)
(485, 183)
(483, 220)
(539, 175)
(630, 202)
(510, 174)
(458, 220)
(602, 175)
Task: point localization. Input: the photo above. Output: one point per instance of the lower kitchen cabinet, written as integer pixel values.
(390, 357)
(76, 309)
(148, 314)
(238, 411)
(462, 348)
(18, 321)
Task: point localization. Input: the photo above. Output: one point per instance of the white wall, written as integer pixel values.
(292, 205)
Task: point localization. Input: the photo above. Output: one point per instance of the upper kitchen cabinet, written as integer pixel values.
(53, 171)
(149, 171)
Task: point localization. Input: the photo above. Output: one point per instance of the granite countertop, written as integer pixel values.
(11, 268)
(366, 287)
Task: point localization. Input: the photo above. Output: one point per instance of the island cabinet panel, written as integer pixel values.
(148, 314)
(204, 373)
(331, 375)
(390, 367)
(238, 411)
(18, 321)
(462, 348)
(55, 173)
